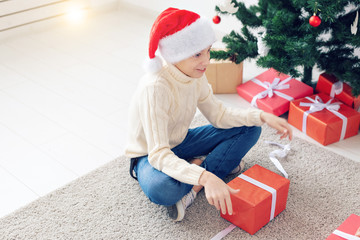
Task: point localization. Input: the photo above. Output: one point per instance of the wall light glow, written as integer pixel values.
(75, 14)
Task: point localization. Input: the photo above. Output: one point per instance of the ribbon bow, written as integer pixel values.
(318, 105)
(270, 89)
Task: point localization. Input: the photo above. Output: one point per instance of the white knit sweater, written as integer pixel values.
(160, 115)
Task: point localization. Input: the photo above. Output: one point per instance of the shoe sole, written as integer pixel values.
(174, 213)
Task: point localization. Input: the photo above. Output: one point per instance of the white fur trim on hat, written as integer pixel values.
(188, 41)
(153, 65)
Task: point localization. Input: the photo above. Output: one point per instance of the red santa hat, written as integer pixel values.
(179, 34)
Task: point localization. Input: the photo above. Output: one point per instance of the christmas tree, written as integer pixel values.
(294, 36)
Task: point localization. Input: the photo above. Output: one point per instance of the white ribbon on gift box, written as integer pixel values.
(265, 187)
(336, 88)
(318, 105)
(270, 89)
(346, 235)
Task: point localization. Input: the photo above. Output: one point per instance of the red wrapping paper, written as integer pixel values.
(276, 104)
(349, 226)
(252, 205)
(324, 126)
(325, 83)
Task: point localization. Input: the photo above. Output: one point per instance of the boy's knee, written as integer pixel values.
(166, 193)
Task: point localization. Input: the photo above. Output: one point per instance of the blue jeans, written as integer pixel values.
(224, 149)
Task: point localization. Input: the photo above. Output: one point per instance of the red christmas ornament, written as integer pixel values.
(314, 21)
(216, 19)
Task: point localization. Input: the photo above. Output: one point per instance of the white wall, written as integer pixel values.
(103, 4)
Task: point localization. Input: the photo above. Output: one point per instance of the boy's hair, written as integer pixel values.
(179, 34)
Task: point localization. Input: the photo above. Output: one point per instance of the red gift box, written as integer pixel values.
(253, 206)
(327, 124)
(330, 85)
(347, 229)
(272, 91)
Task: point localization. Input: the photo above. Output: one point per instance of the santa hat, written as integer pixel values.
(179, 34)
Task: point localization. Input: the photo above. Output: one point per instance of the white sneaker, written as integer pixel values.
(238, 169)
(177, 211)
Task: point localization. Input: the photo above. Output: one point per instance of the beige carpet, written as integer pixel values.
(108, 204)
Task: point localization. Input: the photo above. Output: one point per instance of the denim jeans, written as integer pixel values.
(224, 149)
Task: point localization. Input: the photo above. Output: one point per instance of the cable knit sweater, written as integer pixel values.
(161, 112)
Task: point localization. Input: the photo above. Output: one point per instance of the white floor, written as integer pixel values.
(64, 94)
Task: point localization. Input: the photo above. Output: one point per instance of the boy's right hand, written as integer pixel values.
(217, 192)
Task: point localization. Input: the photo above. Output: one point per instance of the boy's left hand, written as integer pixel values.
(280, 124)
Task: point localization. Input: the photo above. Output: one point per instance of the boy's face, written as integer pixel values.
(195, 66)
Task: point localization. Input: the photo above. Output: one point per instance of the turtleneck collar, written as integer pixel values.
(178, 75)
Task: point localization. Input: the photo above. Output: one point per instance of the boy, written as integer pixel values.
(164, 152)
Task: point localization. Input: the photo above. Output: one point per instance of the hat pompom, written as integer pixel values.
(153, 65)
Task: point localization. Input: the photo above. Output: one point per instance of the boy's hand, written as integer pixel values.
(217, 192)
(280, 124)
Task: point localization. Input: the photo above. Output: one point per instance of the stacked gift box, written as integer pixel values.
(328, 116)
